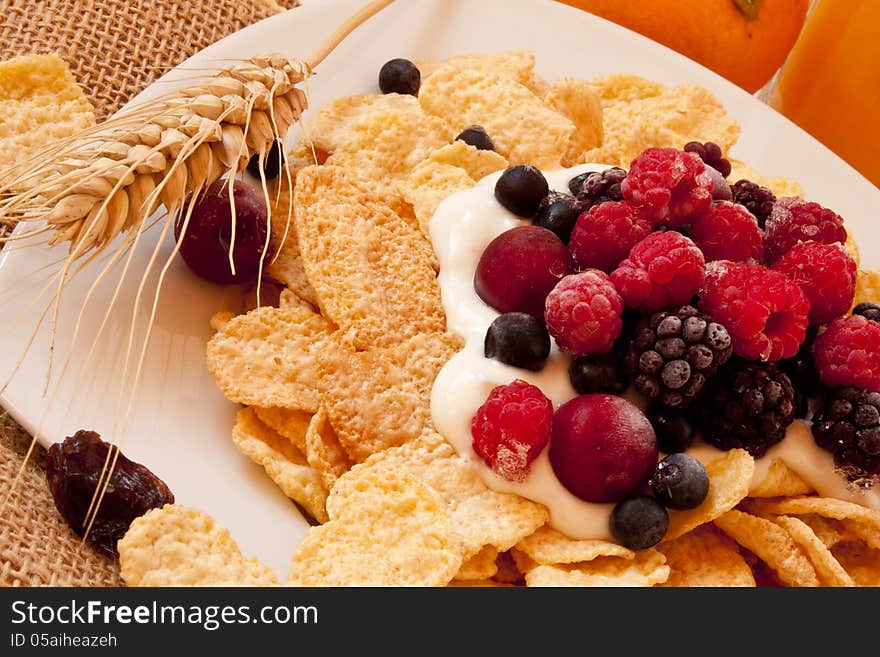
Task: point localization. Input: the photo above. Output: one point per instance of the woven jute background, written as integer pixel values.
(115, 48)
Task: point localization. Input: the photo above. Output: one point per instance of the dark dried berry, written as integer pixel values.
(271, 164)
(756, 199)
(559, 212)
(476, 136)
(73, 470)
(868, 311)
(847, 424)
(400, 76)
(597, 187)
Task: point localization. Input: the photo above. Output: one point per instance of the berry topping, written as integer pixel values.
(271, 163)
(583, 313)
(674, 354)
(763, 310)
(519, 340)
(521, 189)
(727, 231)
(672, 187)
(825, 273)
(848, 425)
(756, 199)
(673, 426)
(680, 482)
(639, 522)
(801, 369)
(848, 353)
(749, 405)
(795, 220)
(205, 246)
(558, 212)
(476, 136)
(603, 448)
(603, 373)
(597, 187)
(519, 268)
(868, 311)
(605, 234)
(511, 428)
(711, 154)
(664, 269)
(400, 76)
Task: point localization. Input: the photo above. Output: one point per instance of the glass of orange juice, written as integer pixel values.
(830, 83)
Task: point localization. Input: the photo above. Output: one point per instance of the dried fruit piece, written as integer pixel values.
(73, 470)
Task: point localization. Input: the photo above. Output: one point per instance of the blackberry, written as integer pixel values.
(711, 154)
(756, 199)
(597, 187)
(674, 354)
(559, 212)
(801, 369)
(868, 311)
(848, 425)
(749, 405)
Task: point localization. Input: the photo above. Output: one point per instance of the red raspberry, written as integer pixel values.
(763, 310)
(670, 186)
(727, 231)
(583, 313)
(604, 235)
(848, 353)
(663, 270)
(794, 220)
(511, 428)
(827, 275)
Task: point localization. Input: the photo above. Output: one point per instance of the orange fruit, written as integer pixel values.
(745, 41)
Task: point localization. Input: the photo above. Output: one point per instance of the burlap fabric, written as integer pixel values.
(115, 48)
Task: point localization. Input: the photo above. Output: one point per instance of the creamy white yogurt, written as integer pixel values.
(461, 228)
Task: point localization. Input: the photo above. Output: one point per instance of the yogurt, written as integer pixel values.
(461, 228)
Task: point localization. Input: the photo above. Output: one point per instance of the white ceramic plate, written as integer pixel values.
(180, 423)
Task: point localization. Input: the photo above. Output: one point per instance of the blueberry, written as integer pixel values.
(476, 136)
(606, 373)
(868, 311)
(518, 339)
(272, 163)
(559, 212)
(521, 189)
(674, 430)
(400, 76)
(639, 522)
(680, 482)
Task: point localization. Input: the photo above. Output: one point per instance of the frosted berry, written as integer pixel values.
(597, 187)
(680, 482)
(848, 353)
(602, 448)
(476, 136)
(794, 220)
(763, 310)
(205, 244)
(511, 428)
(639, 522)
(671, 186)
(521, 189)
(847, 424)
(727, 231)
(558, 212)
(519, 268)
(519, 340)
(605, 234)
(664, 269)
(400, 76)
(825, 273)
(583, 313)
